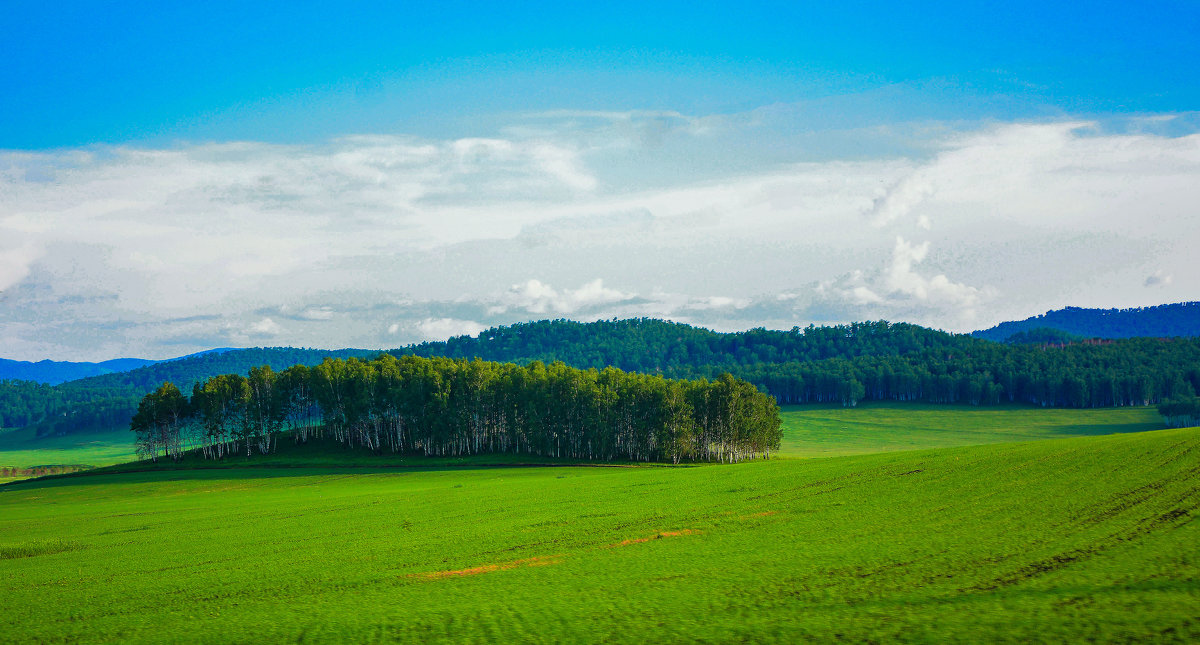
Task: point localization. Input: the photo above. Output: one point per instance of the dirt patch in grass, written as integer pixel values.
(537, 561)
(656, 536)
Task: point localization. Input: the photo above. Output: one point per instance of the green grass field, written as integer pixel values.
(808, 431)
(21, 449)
(830, 431)
(1085, 538)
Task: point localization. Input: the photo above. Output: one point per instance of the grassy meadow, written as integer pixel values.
(835, 430)
(808, 431)
(1083, 538)
(20, 448)
(22, 453)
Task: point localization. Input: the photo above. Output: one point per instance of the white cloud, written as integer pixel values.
(373, 240)
(897, 290)
(620, 129)
(443, 328)
(265, 327)
(716, 302)
(317, 313)
(901, 199)
(15, 264)
(535, 297)
(901, 279)
(563, 165)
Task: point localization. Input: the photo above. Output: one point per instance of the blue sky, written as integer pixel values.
(84, 73)
(224, 174)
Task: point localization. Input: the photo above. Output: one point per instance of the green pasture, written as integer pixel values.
(22, 449)
(834, 430)
(1078, 539)
(808, 431)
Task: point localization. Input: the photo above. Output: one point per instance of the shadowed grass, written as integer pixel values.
(31, 549)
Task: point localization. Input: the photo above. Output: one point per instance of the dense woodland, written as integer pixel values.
(1179, 319)
(1043, 336)
(862, 361)
(443, 406)
(1136, 371)
(842, 364)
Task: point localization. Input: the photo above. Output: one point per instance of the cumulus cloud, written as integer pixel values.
(902, 279)
(535, 297)
(901, 198)
(15, 263)
(896, 290)
(265, 327)
(443, 328)
(374, 241)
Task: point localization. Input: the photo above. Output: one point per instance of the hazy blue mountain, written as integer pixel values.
(55, 372)
(1162, 321)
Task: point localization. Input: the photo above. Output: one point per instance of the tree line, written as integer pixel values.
(640, 344)
(452, 407)
(840, 363)
(652, 345)
(49, 407)
(106, 402)
(1140, 371)
(1183, 412)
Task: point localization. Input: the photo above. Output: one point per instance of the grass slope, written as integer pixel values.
(21, 449)
(808, 431)
(1087, 538)
(834, 430)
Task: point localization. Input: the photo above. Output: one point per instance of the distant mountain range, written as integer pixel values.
(1180, 319)
(842, 364)
(1058, 326)
(55, 372)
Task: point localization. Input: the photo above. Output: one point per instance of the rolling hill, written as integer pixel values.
(55, 372)
(846, 364)
(1089, 539)
(1162, 321)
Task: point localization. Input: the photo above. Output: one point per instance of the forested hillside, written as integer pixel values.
(648, 345)
(104, 402)
(843, 364)
(1162, 321)
(1135, 371)
(860, 361)
(643, 345)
